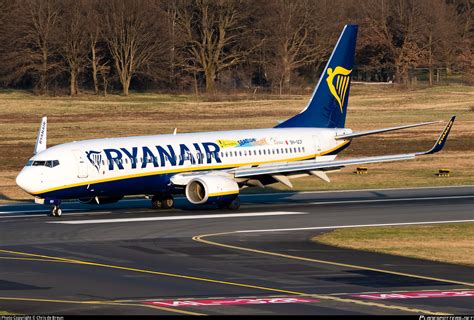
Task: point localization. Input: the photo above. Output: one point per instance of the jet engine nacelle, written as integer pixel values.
(211, 189)
(101, 199)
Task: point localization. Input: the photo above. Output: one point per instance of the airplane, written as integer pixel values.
(210, 167)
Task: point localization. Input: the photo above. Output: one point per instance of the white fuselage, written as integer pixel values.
(144, 164)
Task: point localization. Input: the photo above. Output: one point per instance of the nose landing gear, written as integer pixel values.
(56, 211)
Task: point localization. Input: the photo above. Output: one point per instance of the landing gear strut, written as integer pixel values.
(162, 202)
(56, 211)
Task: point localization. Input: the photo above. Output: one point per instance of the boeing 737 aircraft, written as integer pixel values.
(210, 167)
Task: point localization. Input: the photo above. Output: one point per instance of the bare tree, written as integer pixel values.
(159, 43)
(438, 33)
(465, 45)
(98, 56)
(32, 48)
(131, 30)
(93, 31)
(215, 35)
(395, 26)
(73, 40)
(171, 10)
(292, 37)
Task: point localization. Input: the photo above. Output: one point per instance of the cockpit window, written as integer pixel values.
(41, 163)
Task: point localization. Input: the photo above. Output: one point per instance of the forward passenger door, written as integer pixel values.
(81, 164)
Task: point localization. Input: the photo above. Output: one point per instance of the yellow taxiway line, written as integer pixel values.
(346, 265)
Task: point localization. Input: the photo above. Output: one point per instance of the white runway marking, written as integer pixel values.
(45, 213)
(357, 226)
(392, 200)
(202, 216)
(293, 193)
(30, 211)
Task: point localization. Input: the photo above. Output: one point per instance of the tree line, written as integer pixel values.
(213, 45)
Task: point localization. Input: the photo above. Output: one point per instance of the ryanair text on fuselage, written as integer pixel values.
(160, 156)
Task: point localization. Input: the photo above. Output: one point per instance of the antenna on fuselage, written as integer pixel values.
(42, 135)
(174, 131)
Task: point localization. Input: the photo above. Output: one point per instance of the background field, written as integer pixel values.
(450, 243)
(370, 107)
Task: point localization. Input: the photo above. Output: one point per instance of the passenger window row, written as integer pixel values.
(245, 153)
(222, 154)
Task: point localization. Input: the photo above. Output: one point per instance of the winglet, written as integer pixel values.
(41, 139)
(438, 146)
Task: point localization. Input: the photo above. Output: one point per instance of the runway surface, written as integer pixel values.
(128, 259)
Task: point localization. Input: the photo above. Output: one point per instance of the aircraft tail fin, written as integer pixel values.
(327, 107)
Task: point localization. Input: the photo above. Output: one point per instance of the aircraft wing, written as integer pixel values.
(312, 165)
(369, 132)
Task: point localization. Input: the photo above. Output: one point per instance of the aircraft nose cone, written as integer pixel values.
(22, 181)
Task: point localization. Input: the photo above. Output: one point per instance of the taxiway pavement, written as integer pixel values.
(128, 259)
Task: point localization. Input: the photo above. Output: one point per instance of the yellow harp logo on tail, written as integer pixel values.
(338, 81)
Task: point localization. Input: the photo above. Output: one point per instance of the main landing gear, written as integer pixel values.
(233, 205)
(56, 211)
(162, 202)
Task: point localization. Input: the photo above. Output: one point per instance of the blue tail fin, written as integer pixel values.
(327, 107)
